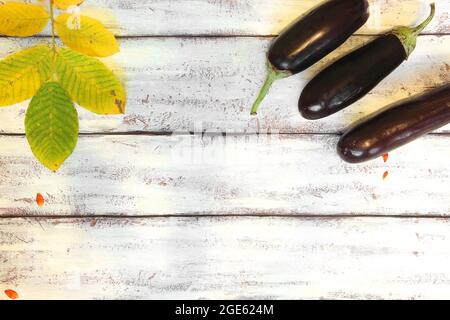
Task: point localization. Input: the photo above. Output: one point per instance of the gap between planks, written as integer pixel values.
(209, 134)
(221, 216)
(231, 36)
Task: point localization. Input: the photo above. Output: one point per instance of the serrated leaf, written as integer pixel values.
(90, 83)
(51, 125)
(22, 19)
(65, 4)
(86, 35)
(23, 73)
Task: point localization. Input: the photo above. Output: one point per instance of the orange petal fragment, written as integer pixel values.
(13, 295)
(40, 200)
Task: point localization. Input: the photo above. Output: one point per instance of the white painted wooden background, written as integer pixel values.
(137, 213)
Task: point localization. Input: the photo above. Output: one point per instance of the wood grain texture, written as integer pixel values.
(226, 258)
(238, 175)
(245, 17)
(192, 84)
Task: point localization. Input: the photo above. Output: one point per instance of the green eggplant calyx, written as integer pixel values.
(408, 36)
(272, 76)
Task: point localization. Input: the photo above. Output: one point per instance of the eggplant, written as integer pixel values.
(350, 78)
(310, 38)
(396, 126)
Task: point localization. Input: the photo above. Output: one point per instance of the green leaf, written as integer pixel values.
(90, 83)
(23, 73)
(51, 125)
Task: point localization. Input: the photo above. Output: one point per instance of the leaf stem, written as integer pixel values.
(52, 17)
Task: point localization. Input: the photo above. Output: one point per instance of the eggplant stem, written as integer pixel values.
(408, 36)
(423, 25)
(272, 76)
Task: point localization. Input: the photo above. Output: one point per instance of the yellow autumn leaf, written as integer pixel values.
(86, 35)
(22, 19)
(90, 83)
(65, 4)
(23, 73)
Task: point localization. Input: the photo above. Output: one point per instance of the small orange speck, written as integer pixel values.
(40, 200)
(385, 175)
(13, 295)
(385, 157)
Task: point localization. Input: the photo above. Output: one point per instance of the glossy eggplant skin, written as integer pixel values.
(321, 31)
(351, 78)
(396, 126)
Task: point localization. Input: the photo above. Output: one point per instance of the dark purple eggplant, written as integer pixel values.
(350, 78)
(396, 126)
(312, 37)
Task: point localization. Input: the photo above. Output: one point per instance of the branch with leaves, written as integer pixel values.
(57, 77)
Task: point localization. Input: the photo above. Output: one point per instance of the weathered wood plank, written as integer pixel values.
(245, 17)
(226, 258)
(210, 83)
(242, 175)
